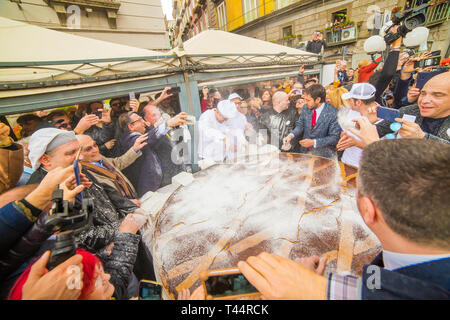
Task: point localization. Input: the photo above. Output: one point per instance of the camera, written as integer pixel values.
(408, 21)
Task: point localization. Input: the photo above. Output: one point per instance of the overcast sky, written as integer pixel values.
(167, 8)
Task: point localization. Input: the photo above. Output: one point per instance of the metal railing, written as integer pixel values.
(341, 34)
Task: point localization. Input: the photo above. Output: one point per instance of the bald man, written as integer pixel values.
(279, 120)
(172, 161)
(432, 113)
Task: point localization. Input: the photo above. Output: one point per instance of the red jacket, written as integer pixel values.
(365, 72)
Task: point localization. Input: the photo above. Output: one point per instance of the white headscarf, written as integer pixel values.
(45, 140)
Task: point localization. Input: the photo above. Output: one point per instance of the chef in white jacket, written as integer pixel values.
(218, 137)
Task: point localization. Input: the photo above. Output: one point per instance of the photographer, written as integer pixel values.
(316, 43)
(403, 94)
(51, 148)
(97, 124)
(382, 78)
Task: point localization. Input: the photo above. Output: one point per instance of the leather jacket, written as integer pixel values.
(280, 124)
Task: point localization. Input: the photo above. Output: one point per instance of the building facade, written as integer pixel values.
(192, 17)
(346, 24)
(137, 23)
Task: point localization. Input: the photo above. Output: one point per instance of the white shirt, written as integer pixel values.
(239, 121)
(394, 260)
(211, 144)
(318, 112)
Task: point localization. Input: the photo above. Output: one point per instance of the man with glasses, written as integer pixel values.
(108, 170)
(240, 121)
(146, 172)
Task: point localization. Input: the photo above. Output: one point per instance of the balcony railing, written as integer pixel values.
(437, 13)
(341, 34)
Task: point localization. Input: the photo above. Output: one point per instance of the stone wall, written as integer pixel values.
(305, 20)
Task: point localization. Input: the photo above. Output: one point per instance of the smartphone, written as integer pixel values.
(190, 119)
(98, 114)
(225, 284)
(131, 96)
(429, 62)
(436, 53)
(76, 171)
(173, 90)
(423, 77)
(149, 290)
(388, 114)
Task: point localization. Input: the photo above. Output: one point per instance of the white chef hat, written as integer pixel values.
(45, 140)
(234, 95)
(227, 108)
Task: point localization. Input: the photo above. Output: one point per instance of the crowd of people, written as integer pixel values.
(126, 150)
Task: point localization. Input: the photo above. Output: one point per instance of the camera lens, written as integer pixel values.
(415, 21)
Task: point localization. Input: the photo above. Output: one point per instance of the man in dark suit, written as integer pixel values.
(318, 124)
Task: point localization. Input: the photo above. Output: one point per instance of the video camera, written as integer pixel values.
(68, 219)
(408, 21)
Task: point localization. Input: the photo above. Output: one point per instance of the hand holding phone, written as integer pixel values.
(76, 171)
(173, 90)
(149, 290)
(388, 114)
(227, 284)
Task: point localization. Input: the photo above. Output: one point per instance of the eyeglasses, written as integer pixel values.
(118, 104)
(138, 119)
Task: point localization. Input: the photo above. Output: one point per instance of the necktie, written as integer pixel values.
(314, 118)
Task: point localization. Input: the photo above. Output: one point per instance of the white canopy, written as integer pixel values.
(218, 47)
(26, 45)
(42, 68)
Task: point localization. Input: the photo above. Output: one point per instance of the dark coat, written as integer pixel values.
(119, 264)
(109, 210)
(279, 124)
(146, 172)
(326, 132)
(163, 149)
(429, 280)
(14, 223)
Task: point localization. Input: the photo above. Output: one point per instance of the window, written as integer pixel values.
(287, 31)
(287, 34)
(283, 3)
(222, 16)
(339, 17)
(250, 10)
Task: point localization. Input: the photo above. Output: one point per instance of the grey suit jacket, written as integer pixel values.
(442, 135)
(326, 132)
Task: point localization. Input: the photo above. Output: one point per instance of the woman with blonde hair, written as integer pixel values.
(334, 96)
